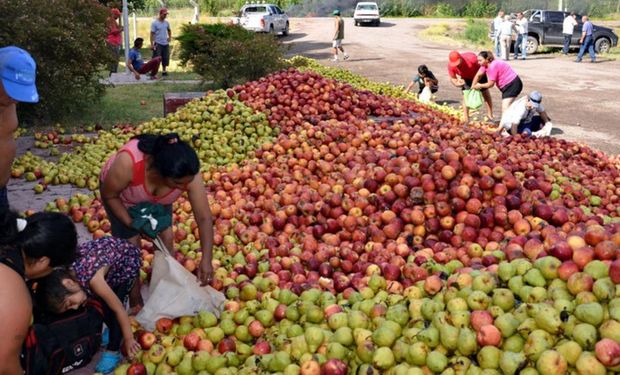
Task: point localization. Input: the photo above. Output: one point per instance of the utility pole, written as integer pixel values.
(126, 33)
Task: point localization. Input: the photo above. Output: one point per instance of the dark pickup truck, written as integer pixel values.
(545, 28)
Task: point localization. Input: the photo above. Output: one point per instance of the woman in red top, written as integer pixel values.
(156, 169)
(113, 40)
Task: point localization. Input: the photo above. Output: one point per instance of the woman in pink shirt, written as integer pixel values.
(498, 73)
(156, 169)
(113, 40)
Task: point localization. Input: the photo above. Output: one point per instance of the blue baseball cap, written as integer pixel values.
(18, 74)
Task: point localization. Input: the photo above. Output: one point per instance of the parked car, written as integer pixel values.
(367, 13)
(263, 18)
(545, 29)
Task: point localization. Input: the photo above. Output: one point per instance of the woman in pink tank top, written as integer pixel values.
(499, 73)
(156, 169)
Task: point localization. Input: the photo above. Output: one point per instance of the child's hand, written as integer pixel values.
(132, 347)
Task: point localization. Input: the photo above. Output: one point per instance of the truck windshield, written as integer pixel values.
(367, 7)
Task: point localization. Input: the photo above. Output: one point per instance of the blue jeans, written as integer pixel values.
(530, 127)
(567, 38)
(521, 44)
(497, 44)
(588, 44)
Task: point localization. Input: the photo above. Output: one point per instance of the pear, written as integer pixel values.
(417, 353)
(449, 336)
(514, 343)
(467, 343)
(587, 364)
(436, 361)
(570, 350)
(551, 362)
(610, 330)
(504, 298)
(548, 266)
(537, 342)
(488, 357)
(505, 271)
(507, 324)
(185, 367)
(535, 278)
(548, 318)
(604, 289)
(511, 362)
(585, 335)
(591, 313)
(429, 336)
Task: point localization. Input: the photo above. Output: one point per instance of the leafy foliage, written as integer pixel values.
(479, 9)
(228, 54)
(66, 39)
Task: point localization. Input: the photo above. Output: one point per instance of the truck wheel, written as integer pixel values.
(357, 23)
(285, 31)
(602, 45)
(532, 45)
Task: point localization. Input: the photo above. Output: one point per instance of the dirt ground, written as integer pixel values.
(581, 99)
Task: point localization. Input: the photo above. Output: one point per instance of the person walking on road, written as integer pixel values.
(113, 40)
(338, 36)
(497, 22)
(568, 29)
(586, 41)
(498, 73)
(522, 30)
(506, 29)
(462, 69)
(138, 66)
(161, 35)
(17, 84)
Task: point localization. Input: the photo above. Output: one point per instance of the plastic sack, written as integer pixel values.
(175, 292)
(545, 131)
(426, 95)
(150, 218)
(473, 99)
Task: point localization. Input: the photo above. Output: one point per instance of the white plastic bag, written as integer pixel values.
(545, 131)
(175, 292)
(426, 95)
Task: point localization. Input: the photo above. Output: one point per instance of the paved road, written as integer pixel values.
(582, 99)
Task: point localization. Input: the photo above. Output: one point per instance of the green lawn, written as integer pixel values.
(128, 104)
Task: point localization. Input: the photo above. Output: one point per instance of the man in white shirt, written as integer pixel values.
(497, 21)
(526, 116)
(521, 43)
(505, 37)
(567, 29)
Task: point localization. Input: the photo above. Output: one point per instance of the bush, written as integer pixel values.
(66, 39)
(444, 10)
(228, 54)
(476, 32)
(479, 9)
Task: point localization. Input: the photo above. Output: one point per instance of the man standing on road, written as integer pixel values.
(338, 36)
(462, 68)
(522, 30)
(161, 35)
(567, 30)
(505, 37)
(497, 22)
(586, 40)
(17, 84)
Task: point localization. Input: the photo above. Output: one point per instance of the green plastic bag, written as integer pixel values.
(473, 99)
(149, 218)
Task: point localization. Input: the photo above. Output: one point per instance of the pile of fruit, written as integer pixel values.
(377, 235)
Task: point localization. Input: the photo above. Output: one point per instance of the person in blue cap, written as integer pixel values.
(17, 84)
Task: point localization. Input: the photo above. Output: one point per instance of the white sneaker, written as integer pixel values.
(346, 57)
(335, 59)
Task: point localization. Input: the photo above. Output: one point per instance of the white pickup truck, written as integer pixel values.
(263, 18)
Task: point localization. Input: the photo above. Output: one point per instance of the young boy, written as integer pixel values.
(424, 78)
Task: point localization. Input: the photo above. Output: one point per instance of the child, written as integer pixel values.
(424, 78)
(106, 268)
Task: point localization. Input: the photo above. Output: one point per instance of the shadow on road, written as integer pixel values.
(314, 50)
(368, 59)
(293, 36)
(556, 131)
(383, 24)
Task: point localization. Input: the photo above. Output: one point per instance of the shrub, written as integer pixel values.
(228, 54)
(444, 10)
(479, 9)
(66, 39)
(476, 32)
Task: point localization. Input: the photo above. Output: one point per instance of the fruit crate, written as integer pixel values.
(174, 100)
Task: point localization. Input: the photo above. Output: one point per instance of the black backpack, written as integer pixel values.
(59, 344)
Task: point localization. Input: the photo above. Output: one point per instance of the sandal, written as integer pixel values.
(108, 362)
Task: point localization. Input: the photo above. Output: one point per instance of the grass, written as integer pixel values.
(472, 34)
(128, 104)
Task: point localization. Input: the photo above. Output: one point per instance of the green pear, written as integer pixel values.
(548, 266)
(365, 350)
(505, 271)
(587, 364)
(597, 269)
(460, 319)
(484, 282)
(467, 343)
(614, 308)
(551, 362)
(448, 336)
(511, 362)
(436, 361)
(504, 298)
(591, 313)
(457, 304)
(507, 324)
(417, 353)
(514, 343)
(526, 327)
(478, 300)
(570, 350)
(279, 361)
(535, 278)
(548, 318)
(610, 330)
(216, 363)
(398, 314)
(488, 357)
(536, 343)
(604, 289)
(383, 358)
(585, 335)
(429, 336)
(521, 266)
(185, 367)
(515, 284)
